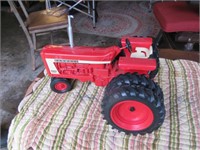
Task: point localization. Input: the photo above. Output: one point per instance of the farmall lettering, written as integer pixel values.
(132, 103)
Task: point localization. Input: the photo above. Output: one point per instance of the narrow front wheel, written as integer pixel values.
(60, 85)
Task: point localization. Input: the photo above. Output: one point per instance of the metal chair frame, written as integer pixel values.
(90, 9)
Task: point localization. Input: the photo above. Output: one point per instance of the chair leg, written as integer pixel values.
(51, 37)
(30, 41)
(88, 5)
(33, 59)
(150, 5)
(34, 40)
(33, 51)
(158, 38)
(93, 14)
(169, 41)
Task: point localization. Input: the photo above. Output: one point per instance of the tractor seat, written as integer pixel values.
(142, 52)
(94, 54)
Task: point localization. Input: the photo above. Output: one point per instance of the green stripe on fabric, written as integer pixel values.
(19, 117)
(53, 118)
(126, 141)
(159, 74)
(69, 116)
(171, 104)
(85, 113)
(192, 138)
(103, 136)
(158, 132)
(35, 93)
(174, 120)
(156, 140)
(176, 115)
(35, 114)
(30, 101)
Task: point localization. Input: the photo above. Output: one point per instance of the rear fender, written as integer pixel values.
(133, 64)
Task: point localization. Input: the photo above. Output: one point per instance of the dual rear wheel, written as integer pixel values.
(133, 104)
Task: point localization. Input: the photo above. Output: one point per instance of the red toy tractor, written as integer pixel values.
(132, 103)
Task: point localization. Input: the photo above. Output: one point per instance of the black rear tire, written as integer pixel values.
(113, 108)
(133, 79)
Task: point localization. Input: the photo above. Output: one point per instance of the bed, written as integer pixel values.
(47, 120)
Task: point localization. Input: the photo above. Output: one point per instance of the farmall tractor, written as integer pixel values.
(132, 102)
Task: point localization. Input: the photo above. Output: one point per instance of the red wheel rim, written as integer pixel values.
(60, 86)
(132, 115)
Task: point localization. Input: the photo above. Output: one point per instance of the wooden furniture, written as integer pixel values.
(178, 17)
(179, 54)
(38, 23)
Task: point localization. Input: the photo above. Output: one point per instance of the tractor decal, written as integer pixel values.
(51, 65)
(54, 70)
(81, 61)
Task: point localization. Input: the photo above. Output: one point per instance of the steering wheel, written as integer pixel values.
(128, 45)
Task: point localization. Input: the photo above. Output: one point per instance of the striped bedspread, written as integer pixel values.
(47, 120)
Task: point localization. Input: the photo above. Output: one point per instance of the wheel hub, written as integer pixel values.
(60, 86)
(132, 115)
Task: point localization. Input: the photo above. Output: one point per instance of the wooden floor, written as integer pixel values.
(179, 54)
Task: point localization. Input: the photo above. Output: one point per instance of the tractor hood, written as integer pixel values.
(80, 53)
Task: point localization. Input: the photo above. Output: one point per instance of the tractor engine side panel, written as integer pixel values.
(97, 72)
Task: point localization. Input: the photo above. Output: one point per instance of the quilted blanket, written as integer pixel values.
(73, 120)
